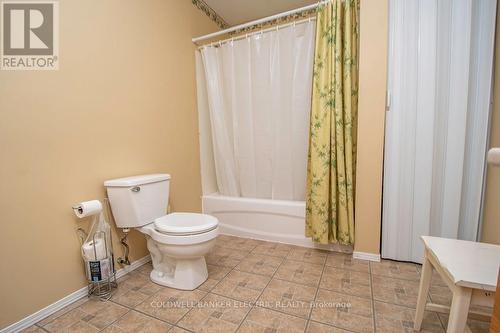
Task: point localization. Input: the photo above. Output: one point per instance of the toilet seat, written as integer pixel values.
(185, 224)
(170, 239)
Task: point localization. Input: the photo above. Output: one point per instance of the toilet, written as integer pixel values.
(178, 242)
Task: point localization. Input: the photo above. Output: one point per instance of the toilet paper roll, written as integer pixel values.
(88, 208)
(97, 253)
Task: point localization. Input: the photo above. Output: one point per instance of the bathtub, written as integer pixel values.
(270, 220)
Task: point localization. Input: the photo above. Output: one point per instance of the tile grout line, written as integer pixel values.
(317, 287)
(285, 258)
(184, 315)
(253, 306)
(181, 328)
(88, 298)
(222, 278)
(201, 299)
(395, 278)
(262, 307)
(315, 295)
(440, 321)
(40, 327)
(142, 312)
(324, 265)
(149, 315)
(400, 305)
(333, 326)
(114, 321)
(263, 289)
(308, 323)
(308, 318)
(60, 315)
(246, 254)
(315, 299)
(231, 268)
(335, 291)
(437, 314)
(98, 329)
(157, 318)
(210, 290)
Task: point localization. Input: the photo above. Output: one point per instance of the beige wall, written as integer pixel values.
(371, 118)
(491, 221)
(122, 103)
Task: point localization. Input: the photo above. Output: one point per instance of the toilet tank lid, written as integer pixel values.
(136, 180)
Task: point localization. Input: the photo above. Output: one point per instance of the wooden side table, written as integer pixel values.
(469, 269)
(495, 320)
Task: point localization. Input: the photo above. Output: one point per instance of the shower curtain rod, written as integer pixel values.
(258, 32)
(252, 23)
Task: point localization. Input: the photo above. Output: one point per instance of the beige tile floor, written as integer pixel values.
(257, 286)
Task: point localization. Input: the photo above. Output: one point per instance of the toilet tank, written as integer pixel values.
(138, 200)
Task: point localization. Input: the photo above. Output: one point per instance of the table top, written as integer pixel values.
(470, 264)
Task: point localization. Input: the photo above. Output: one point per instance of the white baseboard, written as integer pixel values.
(366, 256)
(65, 301)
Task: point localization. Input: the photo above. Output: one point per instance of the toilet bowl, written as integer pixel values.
(177, 242)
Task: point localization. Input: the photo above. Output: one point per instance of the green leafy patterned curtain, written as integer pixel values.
(332, 143)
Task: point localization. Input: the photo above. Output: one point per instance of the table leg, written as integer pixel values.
(423, 291)
(459, 310)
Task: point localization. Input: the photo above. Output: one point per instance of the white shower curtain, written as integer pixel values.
(259, 95)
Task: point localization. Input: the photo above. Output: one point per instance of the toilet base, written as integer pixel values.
(179, 261)
(184, 274)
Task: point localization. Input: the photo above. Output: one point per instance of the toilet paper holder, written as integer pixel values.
(78, 209)
(99, 266)
(97, 250)
(87, 208)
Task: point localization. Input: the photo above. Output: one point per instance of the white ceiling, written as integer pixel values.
(240, 11)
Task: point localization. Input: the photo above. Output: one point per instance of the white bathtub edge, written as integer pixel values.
(226, 229)
(231, 211)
